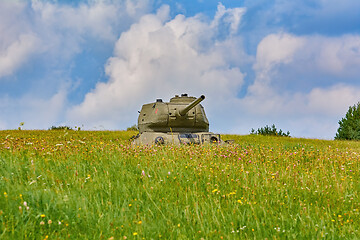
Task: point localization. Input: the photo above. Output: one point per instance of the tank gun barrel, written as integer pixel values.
(182, 112)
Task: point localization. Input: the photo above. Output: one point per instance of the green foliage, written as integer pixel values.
(349, 128)
(133, 128)
(21, 124)
(60, 128)
(270, 131)
(96, 185)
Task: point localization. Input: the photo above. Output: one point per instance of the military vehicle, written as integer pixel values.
(180, 121)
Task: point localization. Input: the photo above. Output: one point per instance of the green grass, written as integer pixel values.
(96, 185)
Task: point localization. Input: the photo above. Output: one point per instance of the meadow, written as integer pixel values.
(96, 185)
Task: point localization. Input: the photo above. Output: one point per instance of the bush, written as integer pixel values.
(60, 128)
(132, 128)
(349, 128)
(270, 131)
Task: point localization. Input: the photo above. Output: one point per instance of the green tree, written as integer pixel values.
(349, 128)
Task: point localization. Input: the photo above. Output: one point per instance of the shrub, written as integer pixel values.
(349, 128)
(60, 128)
(132, 128)
(270, 131)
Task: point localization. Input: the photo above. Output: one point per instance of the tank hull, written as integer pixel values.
(178, 138)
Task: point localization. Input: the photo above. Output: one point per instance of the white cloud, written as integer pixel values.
(17, 43)
(96, 18)
(47, 36)
(159, 58)
(228, 18)
(333, 101)
(296, 108)
(276, 49)
(37, 113)
(339, 55)
(15, 54)
(58, 31)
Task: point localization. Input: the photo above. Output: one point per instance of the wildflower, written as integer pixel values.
(215, 190)
(143, 173)
(135, 233)
(42, 223)
(25, 204)
(140, 222)
(49, 222)
(42, 215)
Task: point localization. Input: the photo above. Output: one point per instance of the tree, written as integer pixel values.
(349, 128)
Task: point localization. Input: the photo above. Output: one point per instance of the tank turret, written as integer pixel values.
(181, 114)
(183, 111)
(182, 120)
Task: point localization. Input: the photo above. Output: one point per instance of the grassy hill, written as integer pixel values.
(96, 185)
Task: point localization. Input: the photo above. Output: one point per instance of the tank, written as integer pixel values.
(182, 120)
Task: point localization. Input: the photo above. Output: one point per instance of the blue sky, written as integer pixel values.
(295, 64)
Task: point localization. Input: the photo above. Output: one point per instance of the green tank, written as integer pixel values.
(180, 121)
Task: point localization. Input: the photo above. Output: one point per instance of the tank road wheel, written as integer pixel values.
(214, 140)
(159, 140)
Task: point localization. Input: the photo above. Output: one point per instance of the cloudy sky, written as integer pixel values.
(295, 64)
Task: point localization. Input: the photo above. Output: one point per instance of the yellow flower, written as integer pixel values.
(215, 190)
(42, 215)
(135, 233)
